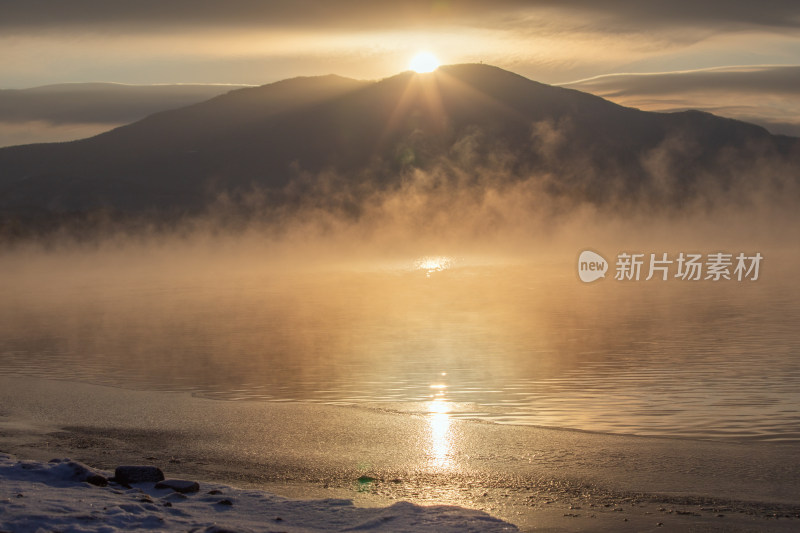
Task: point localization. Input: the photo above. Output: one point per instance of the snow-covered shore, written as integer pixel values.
(54, 496)
(535, 478)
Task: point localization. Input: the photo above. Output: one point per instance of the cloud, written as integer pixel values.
(33, 14)
(250, 41)
(753, 79)
(709, 13)
(765, 95)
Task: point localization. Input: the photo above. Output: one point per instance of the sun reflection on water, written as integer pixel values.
(431, 264)
(441, 438)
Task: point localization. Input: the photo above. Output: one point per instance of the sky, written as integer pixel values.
(552, 41)
(255, 42)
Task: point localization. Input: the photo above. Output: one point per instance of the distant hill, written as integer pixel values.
(101, 102)
(766, 95)
(469, 117)
(53, 111)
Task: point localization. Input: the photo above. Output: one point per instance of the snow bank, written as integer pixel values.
(64, 495)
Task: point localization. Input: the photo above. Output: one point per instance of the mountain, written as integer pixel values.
(763, 94)
(58, 112)
(473, 118)
(101, 102)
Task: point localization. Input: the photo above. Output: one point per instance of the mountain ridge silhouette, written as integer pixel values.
(374, 133)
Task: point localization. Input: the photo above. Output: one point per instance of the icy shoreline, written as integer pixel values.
(55, 496)
(531, 477)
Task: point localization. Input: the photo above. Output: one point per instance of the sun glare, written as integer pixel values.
(424, 62)
(433, 264)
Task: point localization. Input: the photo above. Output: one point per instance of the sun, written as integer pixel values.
(424, 62)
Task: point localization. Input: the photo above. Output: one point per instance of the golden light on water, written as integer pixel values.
(440, 434)
(431, 264)
(424, 62)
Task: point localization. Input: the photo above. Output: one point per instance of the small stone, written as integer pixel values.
(179, 485)
(224, 502)
(167, 504)
(137, 474)
(215, 491)
(175, 497)
(97, 480)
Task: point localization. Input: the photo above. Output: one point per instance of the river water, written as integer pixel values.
(512, 342)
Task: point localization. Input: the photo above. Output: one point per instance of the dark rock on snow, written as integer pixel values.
(138, 474)
(179, 485)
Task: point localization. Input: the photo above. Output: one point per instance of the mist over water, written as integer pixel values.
(432, 299)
